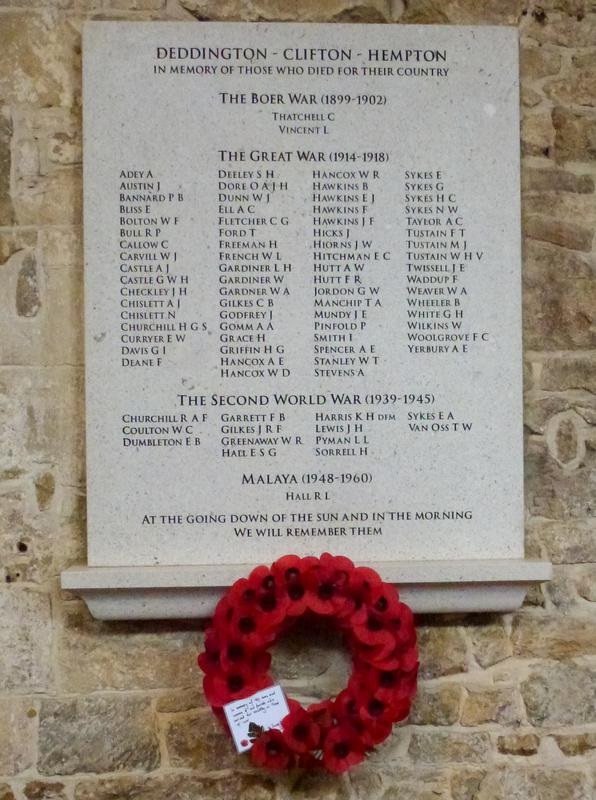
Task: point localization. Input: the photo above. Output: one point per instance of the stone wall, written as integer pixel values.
(95, 711)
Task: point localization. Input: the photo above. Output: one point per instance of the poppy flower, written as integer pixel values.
(271, 751)
(326, 586)
(341, 750)
(223, 687)
(322, 713)
(300, 732)
(289, 572)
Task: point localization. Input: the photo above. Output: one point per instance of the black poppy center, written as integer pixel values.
(268, 602)
(300, 731)
(381, 604)
(247, 624)
(388, 679)
(292, 573)
(341, 749)
(273, 748)
(296, 592)
(235, 683)
(326, 590)
(235, 652)
(268, 582)
(375, 707)
(374, 624)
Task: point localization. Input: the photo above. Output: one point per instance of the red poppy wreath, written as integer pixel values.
(378, 631)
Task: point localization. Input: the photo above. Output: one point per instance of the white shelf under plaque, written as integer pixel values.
(184, 592)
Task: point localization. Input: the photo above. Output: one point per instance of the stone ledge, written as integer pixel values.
(176, 592)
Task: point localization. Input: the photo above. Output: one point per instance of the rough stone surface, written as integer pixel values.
(198, 741)
(6, 792)
(524, 744)
(550, 636)
(576, 745)
(530, 783)
(438, 747)
(17, 732)
(500, 705)
(309, 10)
(489, 639)
(96, 734)
(94, 655)
(25, 640)
(557, 493)
(177, 787)
(443, 649)
(575, 135)
(44, 790)
(437, 705)
(560, 694)
(559, 297)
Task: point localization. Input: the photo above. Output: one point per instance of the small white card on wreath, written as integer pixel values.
(249, 717)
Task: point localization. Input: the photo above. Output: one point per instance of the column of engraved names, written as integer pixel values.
(346, 263)
(153, 288)
(439, 258)
(253, 272)
(253, 296)
(348, 267)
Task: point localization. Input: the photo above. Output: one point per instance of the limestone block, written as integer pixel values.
(586, 584)
(578, 89)
(531, 783)
(521, 744)
(465, 783)
(559, 298)
(537, 133)
(439, 747)
(463, 12)
(490, 643)
(577, 371)
(25, 640)
(93, 655)
(575, 135)
(17, 736)
(557, 493)
(553, 636)
(96, 734)
(571, 542)
(177, 787)
(180, 700)
(573, 235)
(198, 741)
(560, 694)
(498, 705)
(39, 62)
(288, 10)
(40, 422)
(554, 179)
(6, 209)
(314, 786)
(568, 30)
(538, 62)
(44, 790)
(442, 648)
(42, 310)
(437, 705)
(576, 745)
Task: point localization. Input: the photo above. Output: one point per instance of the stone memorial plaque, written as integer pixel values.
(302, 292)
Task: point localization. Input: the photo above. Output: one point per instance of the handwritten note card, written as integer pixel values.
(247, 718)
